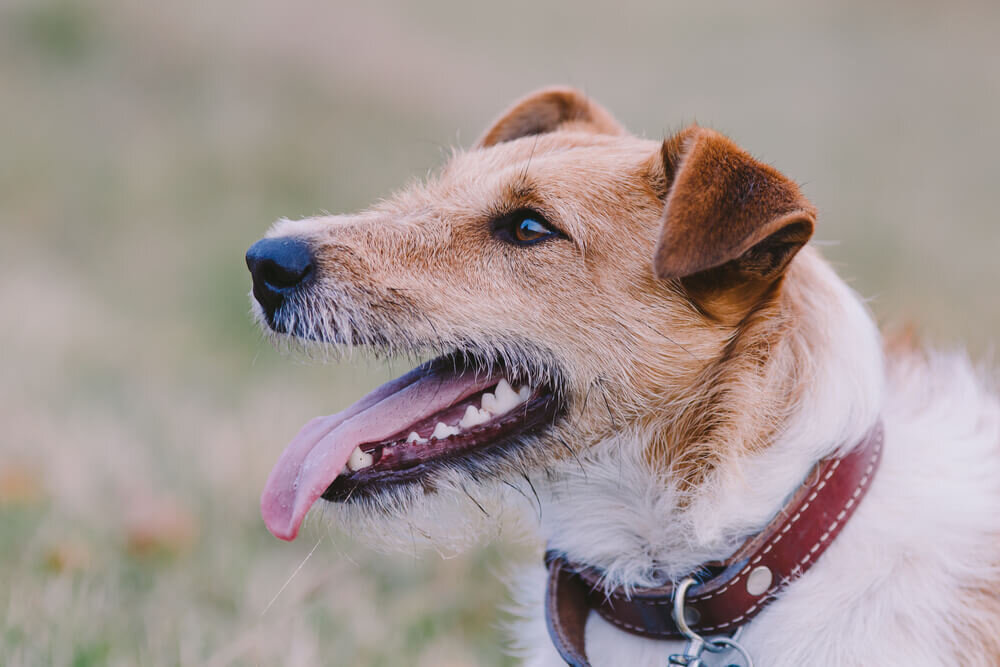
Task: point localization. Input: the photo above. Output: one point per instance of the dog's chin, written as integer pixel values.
(460, 514)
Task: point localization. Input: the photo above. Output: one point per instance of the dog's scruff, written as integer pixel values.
(634, 344)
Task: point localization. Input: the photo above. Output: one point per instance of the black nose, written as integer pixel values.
(278, 267)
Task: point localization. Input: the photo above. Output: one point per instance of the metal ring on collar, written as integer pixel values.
(680, 597)
(697, 643)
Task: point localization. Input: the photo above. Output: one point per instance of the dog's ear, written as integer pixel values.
(547, 110)
(729, 221)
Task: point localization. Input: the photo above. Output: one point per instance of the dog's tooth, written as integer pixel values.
(415, 437)
(489, 403)
(359, 460)
(507, 398)
(524, 393)
(474, 417)
(442, 431)
(504, 389)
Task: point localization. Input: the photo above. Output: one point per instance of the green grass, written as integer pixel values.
(145, 146)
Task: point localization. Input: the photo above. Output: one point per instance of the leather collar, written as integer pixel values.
(728, 593)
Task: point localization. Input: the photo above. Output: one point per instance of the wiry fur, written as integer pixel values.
(692, 406)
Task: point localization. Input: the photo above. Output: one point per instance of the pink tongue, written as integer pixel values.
(321, 449)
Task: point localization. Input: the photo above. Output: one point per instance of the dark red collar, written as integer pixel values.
(733, 591)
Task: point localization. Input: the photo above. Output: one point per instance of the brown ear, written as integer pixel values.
(547, 110)
(727, 218)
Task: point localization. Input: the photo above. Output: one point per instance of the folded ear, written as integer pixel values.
(547, 110)
(729, 220)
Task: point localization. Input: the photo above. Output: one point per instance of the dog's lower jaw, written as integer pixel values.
(454, 518)
(459, 504)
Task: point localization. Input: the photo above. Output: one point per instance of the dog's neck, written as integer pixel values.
(613, 511)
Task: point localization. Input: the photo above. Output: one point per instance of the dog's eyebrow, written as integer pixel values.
(521, 192)
(514, 195)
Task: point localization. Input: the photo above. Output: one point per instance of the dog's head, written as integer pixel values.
(572, 282)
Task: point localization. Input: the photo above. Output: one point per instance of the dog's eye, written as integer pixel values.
(530, 230)
(524, 227)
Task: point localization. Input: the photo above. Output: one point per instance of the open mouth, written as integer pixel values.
(443, 411)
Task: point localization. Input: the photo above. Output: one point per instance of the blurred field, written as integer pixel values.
(144, 146)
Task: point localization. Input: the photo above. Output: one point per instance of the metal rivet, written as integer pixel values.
(759, 580)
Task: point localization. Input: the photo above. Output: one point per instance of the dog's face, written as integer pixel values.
(571, 281)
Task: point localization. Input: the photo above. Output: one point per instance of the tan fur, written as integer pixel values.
(708, 352)
(636, 348)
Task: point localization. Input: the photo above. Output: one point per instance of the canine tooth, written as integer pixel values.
(524, 393)
(415, 437)
(359, 460)
(489, 403)
(442, 431)
(474, 417)
(507, 398)
(504, 389)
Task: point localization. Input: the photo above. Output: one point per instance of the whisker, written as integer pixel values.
(292, 576)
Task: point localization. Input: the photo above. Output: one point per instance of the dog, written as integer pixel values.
(635, 349)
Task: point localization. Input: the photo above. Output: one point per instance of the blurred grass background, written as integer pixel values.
(144, 146)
